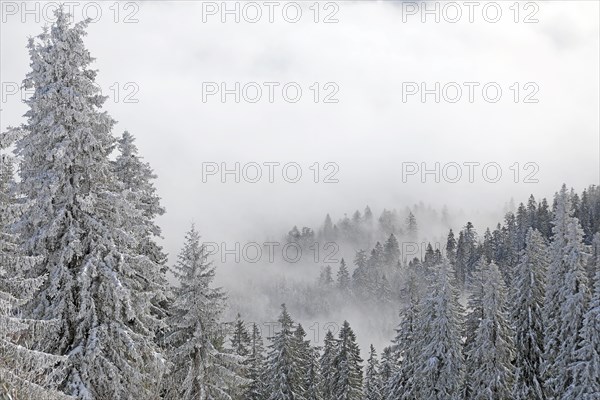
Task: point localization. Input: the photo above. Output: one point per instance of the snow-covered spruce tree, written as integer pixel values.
(77, 221)
(585, 368)
(240, 343)
(304, 354)
(387, 370)
(201, 369)
(283, 380)
(474, 315)
(343, 278)
(24, 373)
(240, 339)
(373, 385)
(400, 385)
(440, 365)
(326, 365)
(137, 179)
(489, 359)
(566, 297)
(255, 390)
(313, 382)
(348, 377)
(527, 305)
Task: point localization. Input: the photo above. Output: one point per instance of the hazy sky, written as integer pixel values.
(369, 133)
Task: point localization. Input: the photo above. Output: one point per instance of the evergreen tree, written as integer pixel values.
(282, 375)
(451, 248)
(343, 278)
(304, 360)
(24, 373)
(490, 356)
(85, 230)
(440, 364)
(400, 384)
(566, 297)
(387, 370)
(137, 179)
(411, 227)
(391, 251)
(255, 390)
(240, 339)
(373, 384)
(201, 369)
(466, 254)
(585, 368)
(544, 219)
(327, 366)
(347, 379)
(474, 316)
(527, 305)
(313, 378)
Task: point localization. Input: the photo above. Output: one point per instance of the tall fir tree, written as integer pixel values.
(255, 390)
(566, 297)
(24, 373)
(439, 368)
(283, 379)
(373, 386)
(326, 365)
(137, 180)
(527, 306)
(585, 368)
(400, 385)
(489, 360)
(451, 248)
(201, 369)
(343, 278)
(240, 338)
(73, 219)
(348, 376)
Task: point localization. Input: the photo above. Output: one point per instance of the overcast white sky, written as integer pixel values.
(369, 133)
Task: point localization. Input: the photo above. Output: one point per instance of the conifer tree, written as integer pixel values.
(585, 368)
(348, 378)
(489, 358)
(440, 365)
(24, 373)
(451, 248)
(282, 374)
(255, 390)
(400, 384)
(137, 179)
(326, 365)
(527, 305)
(74, 220)
(201, 369)
(373, 384)
(343, 278)
(391, 251)
(566, 297)
(240, 339)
